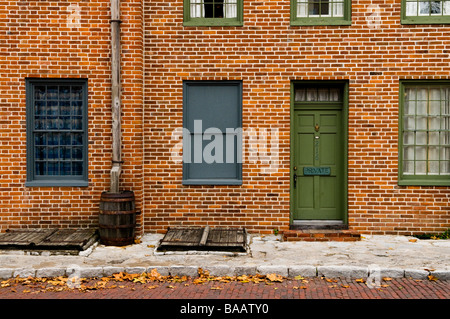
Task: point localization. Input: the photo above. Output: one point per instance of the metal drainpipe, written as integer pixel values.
(115, 97)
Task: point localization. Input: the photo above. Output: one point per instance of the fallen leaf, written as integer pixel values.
(413, 240)
(360, 280)
(298, 277)
(300, 287)
(432, 278)
(330, 280)
(216, 288)
(150, 246)
(345, 286)
(387, 278)
(275, 277)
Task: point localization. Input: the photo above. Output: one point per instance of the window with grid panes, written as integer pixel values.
(56, 132)
(425, 134)
(213, 12)
(320, 12)
(416, 11)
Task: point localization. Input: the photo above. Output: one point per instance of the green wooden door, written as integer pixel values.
(318, 165)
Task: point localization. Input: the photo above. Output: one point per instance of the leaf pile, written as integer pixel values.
(118, 280)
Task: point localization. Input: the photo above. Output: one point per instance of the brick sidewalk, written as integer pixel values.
(313, 288)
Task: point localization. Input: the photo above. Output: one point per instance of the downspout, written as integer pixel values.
(115, 97)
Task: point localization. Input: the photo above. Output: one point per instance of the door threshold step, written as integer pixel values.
(321, 235)
(318, 224)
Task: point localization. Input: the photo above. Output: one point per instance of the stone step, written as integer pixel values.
(321, 235)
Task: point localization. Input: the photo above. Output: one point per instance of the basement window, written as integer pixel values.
(425, 12)
(56, 132)
(213, 12)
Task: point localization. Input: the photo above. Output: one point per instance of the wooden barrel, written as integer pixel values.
(117, 218)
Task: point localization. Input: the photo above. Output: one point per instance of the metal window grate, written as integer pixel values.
(58, 132)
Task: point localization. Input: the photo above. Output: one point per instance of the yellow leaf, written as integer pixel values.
(345, 286)
(216, 288)
(298, 277)
(387, 278)
(275, 277)
(432, 278)
(360, 280)
(413, 240)
(330, 280)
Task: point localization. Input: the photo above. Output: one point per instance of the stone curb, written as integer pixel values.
(353, 272)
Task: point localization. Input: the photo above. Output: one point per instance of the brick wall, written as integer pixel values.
(66, 39)
(266, 54)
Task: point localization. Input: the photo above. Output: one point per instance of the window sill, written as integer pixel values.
(212, 182)
(56, 183)
(425, 20)
(299, 22)
(213, 22)
(418, 182)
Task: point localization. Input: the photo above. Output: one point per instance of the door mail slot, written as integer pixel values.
(312, 171)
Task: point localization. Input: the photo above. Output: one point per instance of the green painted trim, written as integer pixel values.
(213, 22)
(307, 21)
(415, 180)
(58, 180)
(404, 19)
(344, 105)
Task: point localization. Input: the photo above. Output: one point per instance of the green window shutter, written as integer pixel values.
(424, 133)
(213, 12)
(56, 132)
(321, 12)
(212, 138)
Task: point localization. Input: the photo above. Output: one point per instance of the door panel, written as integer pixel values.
(318, 146)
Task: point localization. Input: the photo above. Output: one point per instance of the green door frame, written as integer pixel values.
(344, 107)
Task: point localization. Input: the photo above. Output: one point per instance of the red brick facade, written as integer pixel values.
(266, 54)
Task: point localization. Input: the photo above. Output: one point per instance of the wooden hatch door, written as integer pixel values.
(204, 238)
